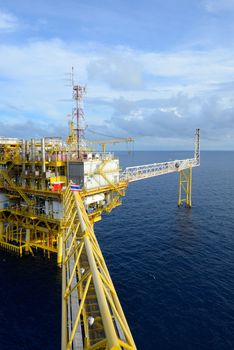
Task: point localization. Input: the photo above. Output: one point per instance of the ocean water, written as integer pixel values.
(173, 268)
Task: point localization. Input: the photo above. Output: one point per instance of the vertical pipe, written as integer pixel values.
(26, 159)
(32, 158)
(32, 143)
(67, 170)
(180, 184)
(187, 177)
(1, 230)
(60, 249)
(190, 185)
(26, 149)
(64, 306)
(43, 155)
(27, 239)
(23, 155)
(20, 242)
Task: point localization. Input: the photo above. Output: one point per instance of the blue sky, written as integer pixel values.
(154, 70)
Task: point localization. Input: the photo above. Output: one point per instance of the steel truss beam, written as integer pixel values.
(141, 172)
(22, 233)
(5, 174)
(185, 188)
(92, 317)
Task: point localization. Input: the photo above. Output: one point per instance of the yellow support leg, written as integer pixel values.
(27, 240)
(185, 188)
(1, 230)
(60, 250)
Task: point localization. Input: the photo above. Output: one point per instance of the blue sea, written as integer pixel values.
(173, 268)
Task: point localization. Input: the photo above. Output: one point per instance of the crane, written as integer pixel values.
(72, 139)
(103, 143)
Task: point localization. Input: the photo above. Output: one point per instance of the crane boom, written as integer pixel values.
(103, 143)
(108, 141)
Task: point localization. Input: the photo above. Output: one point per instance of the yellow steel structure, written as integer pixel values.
(72, 139)
(40, 213)
(185, 188)
(103, 143)
(91, 312)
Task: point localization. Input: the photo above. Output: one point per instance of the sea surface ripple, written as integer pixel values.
(173, 268)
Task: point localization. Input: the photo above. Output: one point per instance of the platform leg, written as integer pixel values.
(60, 249)
(185, 188)
(1, 230)
(27, 239)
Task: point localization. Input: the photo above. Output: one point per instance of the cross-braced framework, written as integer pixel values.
(185, 188)
(92, 317)
(141, 172)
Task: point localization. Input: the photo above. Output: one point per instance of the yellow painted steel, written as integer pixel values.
(92, 316)
(1, 230)
(54, 179)
(10, 247)
(104, 143)
(185, 188)
(60, 250)
(5, 175)
(93, 287)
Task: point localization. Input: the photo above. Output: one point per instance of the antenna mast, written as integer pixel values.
(78, 112)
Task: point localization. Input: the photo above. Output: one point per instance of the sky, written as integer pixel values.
(154, 70)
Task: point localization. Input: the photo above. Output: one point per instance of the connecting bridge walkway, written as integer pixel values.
(92, 317)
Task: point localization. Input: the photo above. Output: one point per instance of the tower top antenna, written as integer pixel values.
(78, 92)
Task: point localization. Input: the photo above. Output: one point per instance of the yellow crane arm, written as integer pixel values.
(103, 143)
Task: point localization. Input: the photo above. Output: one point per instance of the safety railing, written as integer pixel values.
(92, 317)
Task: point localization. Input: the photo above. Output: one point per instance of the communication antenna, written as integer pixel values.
(78, 112)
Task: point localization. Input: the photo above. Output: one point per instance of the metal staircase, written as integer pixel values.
(13, 186)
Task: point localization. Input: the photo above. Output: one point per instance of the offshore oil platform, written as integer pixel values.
(51, 194)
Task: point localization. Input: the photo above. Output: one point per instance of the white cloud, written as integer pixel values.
(191, 66)
(39, 66)
(118, 71)
(132, 92)
(8, 22)
(176, 118)
(171, 110)
(33, 77)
